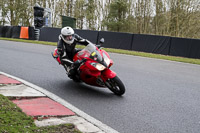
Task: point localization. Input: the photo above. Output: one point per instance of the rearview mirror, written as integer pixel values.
(101, 40)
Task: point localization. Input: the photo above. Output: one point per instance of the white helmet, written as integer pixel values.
(67, 34)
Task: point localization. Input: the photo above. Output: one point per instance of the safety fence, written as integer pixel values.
(17, 32)
(138, 42)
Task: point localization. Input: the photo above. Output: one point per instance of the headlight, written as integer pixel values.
(106, 59)
(98, 66)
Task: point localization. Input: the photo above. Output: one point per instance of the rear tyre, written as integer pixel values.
(116, 86)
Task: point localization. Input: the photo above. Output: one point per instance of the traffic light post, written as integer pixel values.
(38, 17)
(38, 20)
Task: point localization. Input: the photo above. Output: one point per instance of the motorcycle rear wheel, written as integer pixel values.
(116, 86)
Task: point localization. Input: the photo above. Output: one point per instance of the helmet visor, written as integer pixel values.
(68, 37)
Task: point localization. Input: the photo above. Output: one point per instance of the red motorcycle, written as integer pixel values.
(95, 69)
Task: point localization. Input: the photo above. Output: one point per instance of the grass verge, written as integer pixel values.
(13, 120)
(127, 52)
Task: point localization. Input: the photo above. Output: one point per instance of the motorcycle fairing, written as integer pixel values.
(107, 74)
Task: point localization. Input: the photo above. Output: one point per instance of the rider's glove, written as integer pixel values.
(59, 51)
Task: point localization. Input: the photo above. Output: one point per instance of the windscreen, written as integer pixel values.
(90, 51)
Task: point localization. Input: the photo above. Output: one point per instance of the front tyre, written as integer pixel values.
(116, 86)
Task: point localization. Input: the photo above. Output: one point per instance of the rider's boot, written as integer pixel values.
(74, 67)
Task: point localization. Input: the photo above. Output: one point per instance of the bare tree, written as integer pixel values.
(79, 13)
(178, 18)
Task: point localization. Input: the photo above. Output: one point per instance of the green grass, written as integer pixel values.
(28, 41)
(128, 52)
(13, 120)
(157, 56)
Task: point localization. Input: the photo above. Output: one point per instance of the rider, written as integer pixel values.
(66, 49)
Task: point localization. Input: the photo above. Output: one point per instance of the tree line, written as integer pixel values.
(179, 18)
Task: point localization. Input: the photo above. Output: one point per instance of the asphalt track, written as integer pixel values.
(161, 96)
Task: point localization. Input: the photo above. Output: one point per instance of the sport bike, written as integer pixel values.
(95, 68)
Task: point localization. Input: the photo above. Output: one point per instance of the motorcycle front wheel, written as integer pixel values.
(116, 86)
